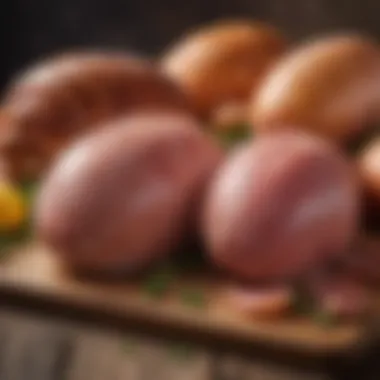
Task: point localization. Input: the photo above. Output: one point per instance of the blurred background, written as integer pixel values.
(35, 28)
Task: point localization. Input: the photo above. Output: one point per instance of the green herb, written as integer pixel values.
(129, 345)
(235, 135)
(17, 237)
(303, 303)
(324, 318)
(181, 351)
(29, 190)
(5, 244)
(193, 298)
(158, 284)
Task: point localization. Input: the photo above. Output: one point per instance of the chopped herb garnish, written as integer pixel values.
(129, 345)
(10, 239)
(324, 318)
(235, 135)
(193, 298)
(303, 303)
(181, 351)
(29, 189)
(158, 284)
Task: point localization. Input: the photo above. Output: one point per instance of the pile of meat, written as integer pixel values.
(128, 155)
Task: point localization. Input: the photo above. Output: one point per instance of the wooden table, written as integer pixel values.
(46, 346)
(54, 329)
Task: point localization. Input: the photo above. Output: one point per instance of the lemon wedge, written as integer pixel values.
(12, 207)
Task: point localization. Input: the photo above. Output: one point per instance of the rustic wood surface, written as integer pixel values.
(36, 348)
(36, 272)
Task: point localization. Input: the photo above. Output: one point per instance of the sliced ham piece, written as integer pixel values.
(269, 302)
(341, 295)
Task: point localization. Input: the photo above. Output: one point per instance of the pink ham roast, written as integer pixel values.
(119, 199)
(279, 206)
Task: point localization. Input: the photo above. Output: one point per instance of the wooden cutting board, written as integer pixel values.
(36, 273)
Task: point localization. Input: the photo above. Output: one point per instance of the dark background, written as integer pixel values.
(34, 28)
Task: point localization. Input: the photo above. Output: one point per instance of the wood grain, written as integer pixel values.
(34, 346)
(35, 271)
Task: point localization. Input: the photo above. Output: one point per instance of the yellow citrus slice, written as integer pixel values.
(12, 207)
